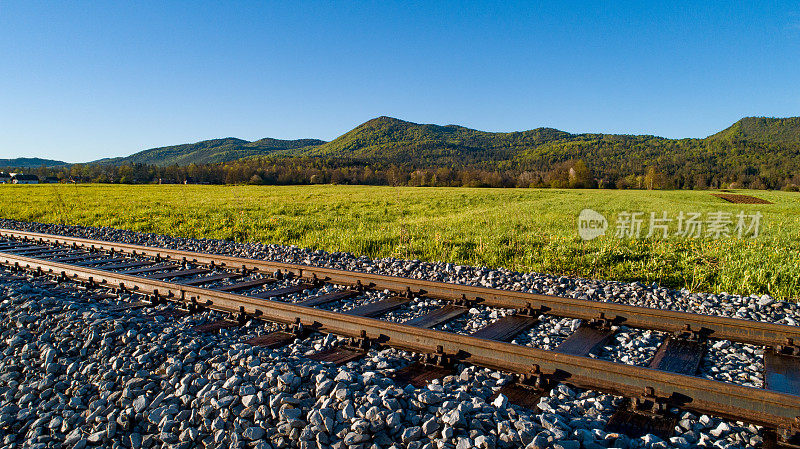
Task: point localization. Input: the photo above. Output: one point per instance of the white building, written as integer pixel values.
(19, 178)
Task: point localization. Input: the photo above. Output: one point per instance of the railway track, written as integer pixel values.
(249, 289)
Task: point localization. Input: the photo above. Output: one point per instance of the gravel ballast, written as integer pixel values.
(74, 374)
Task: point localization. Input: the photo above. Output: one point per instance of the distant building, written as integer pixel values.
(19, 178)
(5, 178)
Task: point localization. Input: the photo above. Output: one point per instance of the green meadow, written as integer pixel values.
(519, 229)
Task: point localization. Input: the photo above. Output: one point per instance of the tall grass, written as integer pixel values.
(526, 230)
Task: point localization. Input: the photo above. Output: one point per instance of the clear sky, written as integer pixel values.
(85, 80)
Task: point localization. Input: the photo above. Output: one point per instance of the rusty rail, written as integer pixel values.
(723, 328)
(764, 407)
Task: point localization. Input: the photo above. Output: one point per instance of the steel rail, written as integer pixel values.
(763, 407)
(723, 328)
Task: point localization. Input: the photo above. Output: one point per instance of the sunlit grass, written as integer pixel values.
(520, 229)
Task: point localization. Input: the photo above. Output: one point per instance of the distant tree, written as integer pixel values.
(650, 178)
(580, 176)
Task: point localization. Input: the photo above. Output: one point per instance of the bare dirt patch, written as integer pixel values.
(740, 199)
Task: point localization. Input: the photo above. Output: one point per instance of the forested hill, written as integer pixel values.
(762, 129)
(30, 162)
(751, 147)
(754, 152)
(210, 151)
(387, 139)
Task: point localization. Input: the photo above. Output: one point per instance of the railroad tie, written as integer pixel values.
(338, 355)
(16, 248)
(100, 261)
(282, 291)
(244, 285)
(273, 340)
(355, 348)
(679, 355)
(676, 354)
(180, 273)
(328, 298)
(212, 278)
(168, 313)
(128, 306)
(776, 406)
(150, 268)
(506, 327)
(215, 326)
(587, 339)
(437, 316)
(121, 266)
(38, 252)
(782, 374)
(77, 258)
(378, 308)
(22, 251)
(59, 253)
(420, 374)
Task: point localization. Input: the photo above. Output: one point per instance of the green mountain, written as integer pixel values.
(30, 162)
(765, 147)
(751, 148)
(388, 139)
(210, 151)
(762, 129)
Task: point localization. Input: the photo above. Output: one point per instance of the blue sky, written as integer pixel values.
(85, 80)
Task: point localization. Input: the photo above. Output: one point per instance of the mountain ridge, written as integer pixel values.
(762, 129)
(391, 140)
(209, 151)
(388, 139)
(30, 162)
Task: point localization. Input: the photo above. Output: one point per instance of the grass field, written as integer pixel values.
(525, 229)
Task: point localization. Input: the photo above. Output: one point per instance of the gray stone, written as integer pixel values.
(353, 438)
(501, 401)
(464, 443)
(430, 426)
(454, 418)
(566, 444)
(139, 403)
(249, 400)
(135, 440)
(765, 300)
(96, 437)
(290, 413)
(218, 424)
(484, 442)
(254, 433)
(411, 434)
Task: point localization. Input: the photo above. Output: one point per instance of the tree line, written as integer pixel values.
(571, 173)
